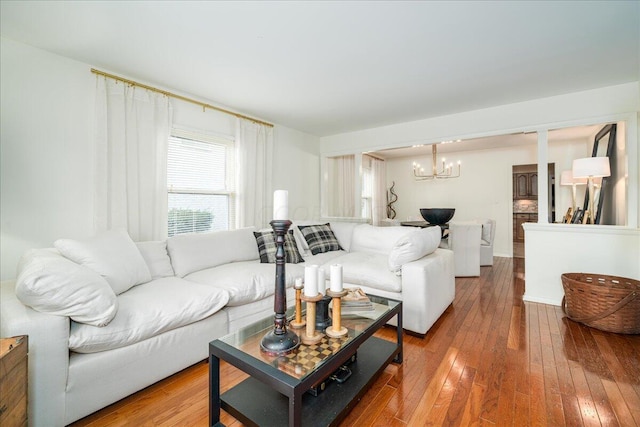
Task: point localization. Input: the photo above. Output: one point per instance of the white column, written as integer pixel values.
(632, 127)
(543, 180)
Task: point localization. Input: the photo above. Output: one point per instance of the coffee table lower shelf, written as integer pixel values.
(255, 403)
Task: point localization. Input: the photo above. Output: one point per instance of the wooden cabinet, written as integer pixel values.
(518, 220)
(533, 185)
(13, 381)
(525, 185)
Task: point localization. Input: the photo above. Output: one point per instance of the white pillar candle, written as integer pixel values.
(280, 204)
(311, 281)
(298, 283)
(336, 278)
(322, 284)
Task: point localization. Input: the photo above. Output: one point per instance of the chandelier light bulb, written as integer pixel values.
(446, 170)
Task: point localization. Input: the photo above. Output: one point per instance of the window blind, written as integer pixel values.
(200, 183)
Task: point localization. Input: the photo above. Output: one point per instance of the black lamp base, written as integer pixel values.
(279, 344)
(323, 321)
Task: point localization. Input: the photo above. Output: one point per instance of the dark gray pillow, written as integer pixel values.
(320, 238)
(267, 247)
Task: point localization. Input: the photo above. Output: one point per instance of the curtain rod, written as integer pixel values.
(183, 98)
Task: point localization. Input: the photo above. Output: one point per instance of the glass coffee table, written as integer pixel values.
(290, 389)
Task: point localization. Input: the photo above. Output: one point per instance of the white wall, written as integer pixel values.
(613, 103)
(484, 188)
(298, 170)
(47, 162)
(46, 149)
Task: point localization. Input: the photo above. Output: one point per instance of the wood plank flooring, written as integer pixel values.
(491, 359)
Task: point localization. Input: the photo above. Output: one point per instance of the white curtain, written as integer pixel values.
(254, 149)
(379, 194)
(340, 191)
(132, 131)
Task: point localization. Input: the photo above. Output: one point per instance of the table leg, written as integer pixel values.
(295, 408)
(214, 391)
(398, 358)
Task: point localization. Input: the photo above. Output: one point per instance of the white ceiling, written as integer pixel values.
(583, 133)
(333, 67)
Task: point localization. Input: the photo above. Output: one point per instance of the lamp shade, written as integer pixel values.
(591, 167)
(566, 178)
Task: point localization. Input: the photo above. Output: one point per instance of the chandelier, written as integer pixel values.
(445, 172)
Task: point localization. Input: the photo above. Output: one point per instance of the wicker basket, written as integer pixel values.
(608, 303)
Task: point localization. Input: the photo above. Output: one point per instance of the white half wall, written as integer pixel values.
(47, 151)
(554, 249)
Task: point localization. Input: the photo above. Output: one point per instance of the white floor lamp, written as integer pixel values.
(592, 168)
(567, 178)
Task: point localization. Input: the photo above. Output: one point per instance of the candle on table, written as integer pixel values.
(280, 205)
(311, 281)
(336, 278)
(322, 284)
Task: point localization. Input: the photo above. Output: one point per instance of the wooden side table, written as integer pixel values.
(13, 381)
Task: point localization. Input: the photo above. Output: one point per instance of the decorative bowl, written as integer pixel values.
(437, 216)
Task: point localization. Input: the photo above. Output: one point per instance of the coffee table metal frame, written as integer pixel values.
(272, 397)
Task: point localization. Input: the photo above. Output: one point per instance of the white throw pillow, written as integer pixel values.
(157, 259)
(52, 284)
(413, 246)
(111, 254)
(197, 251)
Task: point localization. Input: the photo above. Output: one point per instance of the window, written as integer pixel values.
(199, 182)
(367, 188)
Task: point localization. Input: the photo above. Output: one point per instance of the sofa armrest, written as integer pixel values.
(428, 288)
(48, 355)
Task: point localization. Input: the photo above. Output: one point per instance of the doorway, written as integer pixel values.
(525, 201)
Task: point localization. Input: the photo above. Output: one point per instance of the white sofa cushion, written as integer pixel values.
(325, 258)
(344, 233)
(111, 254)
(198, 251)
(368, 238)
(367, 269)
(148, 310)
(52, 284)
(246, 281)
(413, 246)
(157, 258)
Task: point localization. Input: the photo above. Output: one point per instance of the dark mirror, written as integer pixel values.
(603, 146)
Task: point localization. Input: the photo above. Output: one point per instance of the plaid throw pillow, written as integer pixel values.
(320, 238)
(267, 247)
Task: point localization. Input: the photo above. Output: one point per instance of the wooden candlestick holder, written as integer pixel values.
(280, 341)
(311, 336)
(336, 330)
(298, 322)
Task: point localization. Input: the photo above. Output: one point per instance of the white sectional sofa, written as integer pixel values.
(107, 317)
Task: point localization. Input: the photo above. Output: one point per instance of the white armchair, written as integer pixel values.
(486, 243)
(464, 240)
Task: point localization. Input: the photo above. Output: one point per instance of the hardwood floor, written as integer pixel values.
(491, 359)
